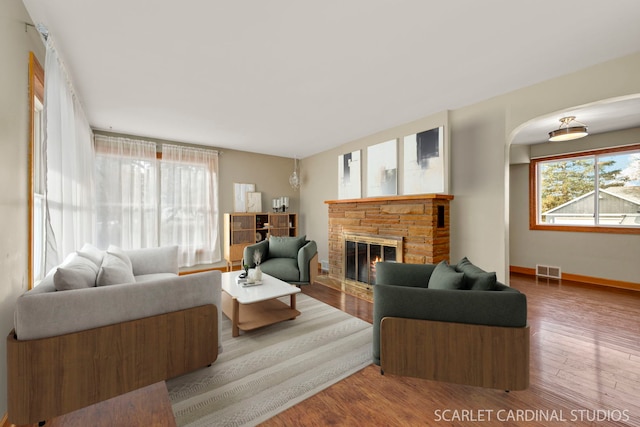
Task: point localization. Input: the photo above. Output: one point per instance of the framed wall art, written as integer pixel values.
(424, 162)
(349, 170)
(254, 201)
(382, 169)
(240, 196)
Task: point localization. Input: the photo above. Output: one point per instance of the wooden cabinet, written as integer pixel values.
(243, 229)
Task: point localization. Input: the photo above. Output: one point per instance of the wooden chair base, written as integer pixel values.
(477, 355)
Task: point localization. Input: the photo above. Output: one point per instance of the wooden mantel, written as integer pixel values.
(421, 220)
(393, 198)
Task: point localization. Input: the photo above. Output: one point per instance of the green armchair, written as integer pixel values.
(290, 259)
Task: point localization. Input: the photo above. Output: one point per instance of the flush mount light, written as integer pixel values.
(569, 129)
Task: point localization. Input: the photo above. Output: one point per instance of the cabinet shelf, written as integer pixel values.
(243, 229)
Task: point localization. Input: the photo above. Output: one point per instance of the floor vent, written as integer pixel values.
(548, 271)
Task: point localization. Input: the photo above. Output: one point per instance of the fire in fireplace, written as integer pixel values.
(362, 252)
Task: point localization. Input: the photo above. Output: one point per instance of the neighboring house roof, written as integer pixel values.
(628, 199)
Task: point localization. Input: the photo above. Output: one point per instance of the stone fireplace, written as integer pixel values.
(412, 229)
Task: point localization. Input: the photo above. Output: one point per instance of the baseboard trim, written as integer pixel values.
(580, 278)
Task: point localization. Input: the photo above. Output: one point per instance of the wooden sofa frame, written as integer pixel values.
(477, 355)
(52, 376)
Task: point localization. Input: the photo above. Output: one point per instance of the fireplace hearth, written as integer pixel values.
(362, 252)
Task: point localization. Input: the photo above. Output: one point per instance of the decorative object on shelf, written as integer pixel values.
(257, 258)
(294, 179)
(254, 201)
(349, 168)
(424, 163)
(280, 204)
(567, 131)
(240, 196)
(382, 169)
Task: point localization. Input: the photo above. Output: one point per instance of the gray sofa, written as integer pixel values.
(445, 315)
(290, 259)
(105, 323)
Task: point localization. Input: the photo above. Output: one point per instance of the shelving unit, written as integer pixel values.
(243, 229)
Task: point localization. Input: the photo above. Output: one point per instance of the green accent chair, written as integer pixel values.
(455, 324)
(291, 259)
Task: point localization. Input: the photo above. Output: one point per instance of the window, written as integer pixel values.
(145, 199)
(595, 191)
(36, 173)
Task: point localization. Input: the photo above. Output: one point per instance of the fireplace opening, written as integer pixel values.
(362, 252)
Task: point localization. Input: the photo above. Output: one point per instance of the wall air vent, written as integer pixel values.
(548, 271)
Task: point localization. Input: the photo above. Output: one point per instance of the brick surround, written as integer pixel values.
(414, 218)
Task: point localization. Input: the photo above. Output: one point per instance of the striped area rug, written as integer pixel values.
(264, 372)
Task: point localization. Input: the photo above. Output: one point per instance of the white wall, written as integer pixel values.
(15, 44)
(480, 137)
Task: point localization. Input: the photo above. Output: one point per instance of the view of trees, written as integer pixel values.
(565, 180)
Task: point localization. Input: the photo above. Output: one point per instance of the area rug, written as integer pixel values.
(264, 372)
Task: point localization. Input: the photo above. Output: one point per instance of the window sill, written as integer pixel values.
(582, 229)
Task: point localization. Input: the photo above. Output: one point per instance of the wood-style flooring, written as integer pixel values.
(585, 370)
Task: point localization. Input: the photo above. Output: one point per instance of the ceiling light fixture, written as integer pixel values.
(294, 179)
(567, 132)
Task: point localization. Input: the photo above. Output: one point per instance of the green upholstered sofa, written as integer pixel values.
(442, 329)
(290, 259)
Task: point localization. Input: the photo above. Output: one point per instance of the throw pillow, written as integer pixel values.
(116, 268)
(163, 259)
(77, 273)
(446, 277)
(91, 252)
(476, 278)
(285, 247)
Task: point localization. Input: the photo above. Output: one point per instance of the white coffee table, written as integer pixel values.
(260, 304)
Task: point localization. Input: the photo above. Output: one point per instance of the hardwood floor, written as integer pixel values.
(585, 370)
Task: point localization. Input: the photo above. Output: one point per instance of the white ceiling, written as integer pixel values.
(293, 77)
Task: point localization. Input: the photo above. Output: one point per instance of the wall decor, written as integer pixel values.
(424, 165)
(254, 201)
(382, 169)
(349, 169)
(240, 196)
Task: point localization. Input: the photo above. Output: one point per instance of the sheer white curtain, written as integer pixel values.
(126, 192)
(189, 203)
(69, 165)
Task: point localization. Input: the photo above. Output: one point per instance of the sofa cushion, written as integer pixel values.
(163, 259)
(116, 268)
(285, 269)
(446, 277)
(91, 252)
(285, 247)
(476, 278)
(79, 272)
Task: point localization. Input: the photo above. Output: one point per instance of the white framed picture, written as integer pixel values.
(349, 173)
(382, 169)
(240, 196)
(424, 162)
(254, 201)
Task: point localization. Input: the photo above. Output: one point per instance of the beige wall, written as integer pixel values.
(600, 255)
(480, 137)
(15, 44)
